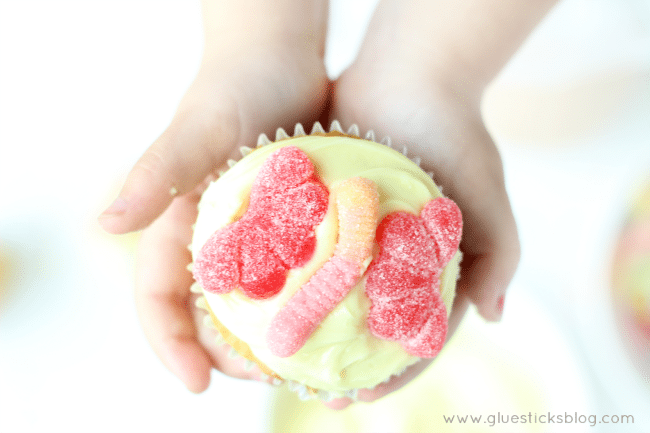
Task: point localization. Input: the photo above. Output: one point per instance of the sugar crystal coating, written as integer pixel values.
(403, 281)
(432, 335)
(297, 320)
(275, 234)
(444, 221)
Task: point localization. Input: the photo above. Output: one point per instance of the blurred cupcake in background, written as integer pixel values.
(8, 273)
(4, 272)
(631, 281)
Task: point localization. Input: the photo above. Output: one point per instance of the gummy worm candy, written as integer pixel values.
(357, 202)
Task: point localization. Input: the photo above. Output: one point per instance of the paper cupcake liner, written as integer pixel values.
(238, 348)
(317, 129)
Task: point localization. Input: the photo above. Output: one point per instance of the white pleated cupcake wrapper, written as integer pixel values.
(299, 130)
(304, 392)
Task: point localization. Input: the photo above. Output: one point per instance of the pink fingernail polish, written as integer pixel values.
(500, 303)
(118, 207)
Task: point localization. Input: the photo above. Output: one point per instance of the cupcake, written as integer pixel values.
(329, 260)
(631, 281)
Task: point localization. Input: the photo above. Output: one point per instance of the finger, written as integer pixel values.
(490, 242)
(221, 354)
(196, 142)
(163, 298)
(338, 403)
(485, 279)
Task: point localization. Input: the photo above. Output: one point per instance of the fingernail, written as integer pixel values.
(500, 302)
(117, 208)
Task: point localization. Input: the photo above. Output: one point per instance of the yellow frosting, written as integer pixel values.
(341, 354)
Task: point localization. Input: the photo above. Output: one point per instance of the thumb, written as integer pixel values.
(195, 143)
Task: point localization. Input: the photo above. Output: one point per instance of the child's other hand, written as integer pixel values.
(419, 79)
(259, 72)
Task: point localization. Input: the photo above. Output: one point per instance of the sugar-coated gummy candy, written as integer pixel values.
(275, 234)
(403, 281)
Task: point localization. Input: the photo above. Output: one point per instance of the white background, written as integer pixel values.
(86, 86)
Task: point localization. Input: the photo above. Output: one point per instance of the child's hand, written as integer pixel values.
(258, 73)
(447, 133)
(419, 79)
(449, 136)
